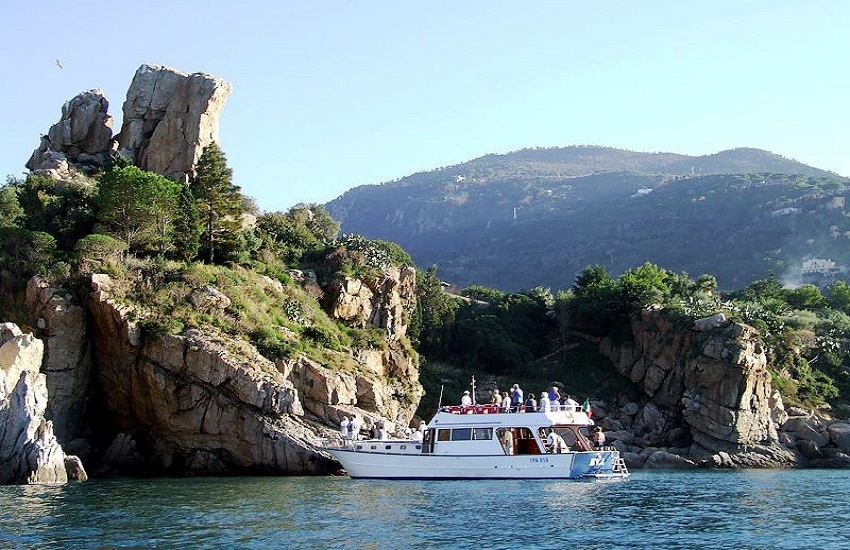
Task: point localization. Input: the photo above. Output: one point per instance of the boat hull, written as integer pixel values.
(572, 465)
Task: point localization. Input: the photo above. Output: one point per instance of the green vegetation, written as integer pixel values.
(530, 338)
(219, 202)
(164, 244)
(740, 215)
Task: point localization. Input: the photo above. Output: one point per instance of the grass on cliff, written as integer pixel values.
(282, 321)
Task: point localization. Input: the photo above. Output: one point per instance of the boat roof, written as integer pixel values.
(487, 415)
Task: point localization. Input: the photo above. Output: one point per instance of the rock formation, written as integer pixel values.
(196, 403)
(379, 302)
(169, 117)
(708, 392)
(29, 452)
(82, 136)
(61, 325)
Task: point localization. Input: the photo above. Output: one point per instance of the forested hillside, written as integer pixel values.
(538, 217)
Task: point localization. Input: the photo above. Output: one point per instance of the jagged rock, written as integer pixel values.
(710, 323)
(169, 117)
(29, 452)
(351, 302)
(67, 361)
(208, 299)
(83, 134)
(631, 408)
(381, 302)
(50, 163)
(714, 380)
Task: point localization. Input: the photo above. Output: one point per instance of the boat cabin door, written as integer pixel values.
(428, 441)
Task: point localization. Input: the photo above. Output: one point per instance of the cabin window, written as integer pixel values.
(389, 447)
(444, 434)
(479, 434)
(461, 434)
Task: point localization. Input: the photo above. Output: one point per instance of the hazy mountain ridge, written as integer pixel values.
(538, 216)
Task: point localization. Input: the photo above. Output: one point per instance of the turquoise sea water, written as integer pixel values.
(691, 509)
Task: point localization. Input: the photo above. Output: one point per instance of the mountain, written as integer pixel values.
(539, 216)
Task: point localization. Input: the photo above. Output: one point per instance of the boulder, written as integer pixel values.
(208, 299)
(29, 452)
(169, 117)
(74, 469)
(839, 433)
(82, 135)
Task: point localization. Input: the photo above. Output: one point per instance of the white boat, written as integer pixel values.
(480, 442)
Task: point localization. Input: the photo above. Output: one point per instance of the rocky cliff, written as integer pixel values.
(29, 451)
(709, 401)
(209, 403)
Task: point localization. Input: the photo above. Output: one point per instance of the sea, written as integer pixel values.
(651, 509)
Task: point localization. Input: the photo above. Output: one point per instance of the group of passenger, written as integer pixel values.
(349, 430)
(515, 401)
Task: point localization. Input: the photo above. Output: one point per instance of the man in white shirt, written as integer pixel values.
(466, 400)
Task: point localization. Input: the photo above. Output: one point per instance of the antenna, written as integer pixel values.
(440, 401)
(473, 390)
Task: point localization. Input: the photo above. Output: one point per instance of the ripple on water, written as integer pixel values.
(752, 509)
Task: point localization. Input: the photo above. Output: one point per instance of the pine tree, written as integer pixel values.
(188, 228)
(219, 200)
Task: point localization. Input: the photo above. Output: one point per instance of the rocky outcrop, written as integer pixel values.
(385, 301)
(708, 392)
(61, 325)
(82, 136)
(29, 452)
(823, 441)
(169, 117)
(195, 404)
(385, 385)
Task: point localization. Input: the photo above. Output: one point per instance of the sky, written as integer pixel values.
(330, 95)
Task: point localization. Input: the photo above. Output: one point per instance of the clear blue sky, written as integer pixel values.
(335, 94)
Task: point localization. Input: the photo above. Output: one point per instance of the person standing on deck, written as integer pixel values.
(506, 402)
(598, 438)
(554, 398)
(516, 398)
(530, 403)
(571, 405)
(509, 442)
(544, 402)
(344, 432)
(466, 400)
(354, 428)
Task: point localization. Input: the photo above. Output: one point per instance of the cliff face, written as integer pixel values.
(708, 390)
(203, 403)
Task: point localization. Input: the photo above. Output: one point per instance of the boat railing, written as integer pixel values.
(494, 409)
